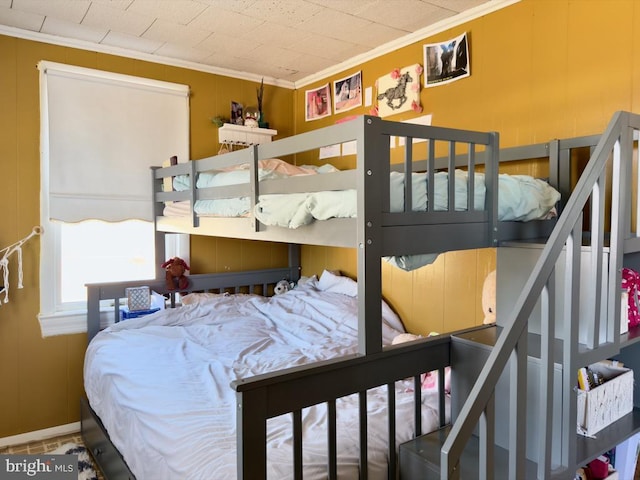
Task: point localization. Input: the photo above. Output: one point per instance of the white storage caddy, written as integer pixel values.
(603, 405)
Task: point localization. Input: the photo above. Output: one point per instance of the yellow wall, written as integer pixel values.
(540, 69)
(41, 379)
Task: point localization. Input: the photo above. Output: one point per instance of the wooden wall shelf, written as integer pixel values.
(230, 134)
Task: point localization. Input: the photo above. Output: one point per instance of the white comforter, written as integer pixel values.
(520, 197)
(160, 383)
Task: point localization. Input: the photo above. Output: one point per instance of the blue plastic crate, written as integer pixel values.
(125, 314)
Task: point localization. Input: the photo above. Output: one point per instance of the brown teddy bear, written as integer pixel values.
(175, 273)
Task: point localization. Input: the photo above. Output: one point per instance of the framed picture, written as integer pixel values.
(399, 91)
(347, 93)
(446, 62)
(236, 113)
(318, 103)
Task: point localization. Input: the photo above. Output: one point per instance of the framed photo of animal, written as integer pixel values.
(399, 91)
(347, 93)
(447, 61)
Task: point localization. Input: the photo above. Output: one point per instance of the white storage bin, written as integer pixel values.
(603, 405)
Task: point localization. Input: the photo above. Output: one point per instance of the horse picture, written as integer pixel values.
(396, 96)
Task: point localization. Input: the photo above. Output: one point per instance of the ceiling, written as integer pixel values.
(288, 42)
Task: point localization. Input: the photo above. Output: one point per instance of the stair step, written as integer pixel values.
(420, 458)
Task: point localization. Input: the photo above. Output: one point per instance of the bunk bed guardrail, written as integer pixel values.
(615, 147)
(256, 281)
(373, 166)
(266, 396)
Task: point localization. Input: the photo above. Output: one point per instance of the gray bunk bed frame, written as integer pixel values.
(374, 233)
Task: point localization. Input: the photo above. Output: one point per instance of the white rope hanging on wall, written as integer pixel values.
(4, 260)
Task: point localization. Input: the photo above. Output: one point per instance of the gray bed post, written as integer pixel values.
(157, 210)
(294, 262)
(491, 182)
(373, 179)
(160, 253)
(93, 311)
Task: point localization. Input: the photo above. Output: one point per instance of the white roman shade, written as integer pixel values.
(103, 132)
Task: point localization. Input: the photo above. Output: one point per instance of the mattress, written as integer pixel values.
(520, 197)
(161, 383)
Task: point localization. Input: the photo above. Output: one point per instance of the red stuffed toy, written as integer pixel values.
(175, 277)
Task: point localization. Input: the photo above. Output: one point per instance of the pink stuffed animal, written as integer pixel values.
(631, 285)
(429, 379)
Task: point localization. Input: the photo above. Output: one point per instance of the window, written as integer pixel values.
(100, 133)
(94, 251)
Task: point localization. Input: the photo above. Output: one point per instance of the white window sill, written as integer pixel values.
(68, 322)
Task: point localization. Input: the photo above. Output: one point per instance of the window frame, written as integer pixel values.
(59, 319)
(54, 318)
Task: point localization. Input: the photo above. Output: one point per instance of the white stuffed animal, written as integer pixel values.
(283, 286)
(489, 298)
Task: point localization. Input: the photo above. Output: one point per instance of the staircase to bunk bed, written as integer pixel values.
(514, 404)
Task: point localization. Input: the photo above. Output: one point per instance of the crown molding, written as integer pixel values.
(388, 47)
(414, 37)
(148, 57)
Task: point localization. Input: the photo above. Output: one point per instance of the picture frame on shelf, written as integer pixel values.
(237, 113)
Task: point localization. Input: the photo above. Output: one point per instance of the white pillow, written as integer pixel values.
(192, 298)
(330, 282)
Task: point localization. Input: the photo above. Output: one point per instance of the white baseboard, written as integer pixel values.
(39, 435)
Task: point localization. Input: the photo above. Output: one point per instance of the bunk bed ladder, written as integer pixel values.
(510, 351)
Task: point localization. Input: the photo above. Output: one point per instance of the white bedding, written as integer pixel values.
(520, 197)
(160, 383)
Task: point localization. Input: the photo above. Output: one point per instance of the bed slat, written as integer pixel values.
(193, 193)
(451, 168)
(391, 418)
(297, 444)
(364, 445)
(331, 440)
(408, 174)
(431, 176)
(417, 404)
(441, 397)
(471, 180)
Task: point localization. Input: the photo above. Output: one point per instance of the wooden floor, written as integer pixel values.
(43, 446)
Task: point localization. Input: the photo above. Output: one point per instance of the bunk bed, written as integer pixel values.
(377, 230)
